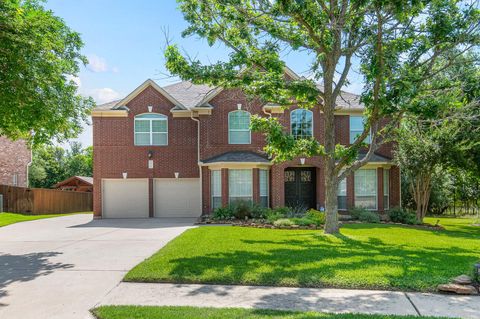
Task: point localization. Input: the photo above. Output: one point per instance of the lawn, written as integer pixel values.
(375, 256)
(12, 218)
(150, 312)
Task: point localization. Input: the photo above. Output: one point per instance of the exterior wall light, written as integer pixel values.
(302, 161)
(239, 106)
(150, 154)
(124, 175)
(176, 174)
(150, 108)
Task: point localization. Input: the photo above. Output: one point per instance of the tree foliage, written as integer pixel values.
(39, 56)
(397, 42)
(53, 164)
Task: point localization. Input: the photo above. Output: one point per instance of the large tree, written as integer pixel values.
(397, 43)
(39, 57)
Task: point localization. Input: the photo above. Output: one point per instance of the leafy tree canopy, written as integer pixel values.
(53, 164)
(39, 56)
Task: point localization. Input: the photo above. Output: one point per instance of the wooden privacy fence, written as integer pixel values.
(44, 201)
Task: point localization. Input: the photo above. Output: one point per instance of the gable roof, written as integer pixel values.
(238, 157)
(85, 179)
(185, 95)
(140, 88)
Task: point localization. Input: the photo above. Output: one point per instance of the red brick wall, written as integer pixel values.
(14, 159)
(114, 150)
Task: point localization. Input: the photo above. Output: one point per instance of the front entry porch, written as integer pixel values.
(300, 187)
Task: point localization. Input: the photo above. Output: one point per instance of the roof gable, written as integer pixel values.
(141, 88)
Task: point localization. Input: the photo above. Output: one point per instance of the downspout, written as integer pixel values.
(198, 158)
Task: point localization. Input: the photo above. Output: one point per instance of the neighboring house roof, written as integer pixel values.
(186, 95)
(85, 179)
(239, 157)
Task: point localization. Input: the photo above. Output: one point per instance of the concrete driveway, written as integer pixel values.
(61, 267)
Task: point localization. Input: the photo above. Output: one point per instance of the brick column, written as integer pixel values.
(320, 188)
(351, 191)
(150, 198)
(224, 186)
(380, 189)
(256, 185)
(206, 191)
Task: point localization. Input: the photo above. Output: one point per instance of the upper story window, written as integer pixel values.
(356, 128)
(301, 123)
(239, 127)
(151, 129)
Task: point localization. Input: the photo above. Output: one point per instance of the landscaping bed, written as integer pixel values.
(369, 256)
(152, 312)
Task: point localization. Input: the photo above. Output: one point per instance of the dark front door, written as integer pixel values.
(300, 187)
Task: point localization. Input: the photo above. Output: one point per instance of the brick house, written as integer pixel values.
(15, 157)
(184, 150)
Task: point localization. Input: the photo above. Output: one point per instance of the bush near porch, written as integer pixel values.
(372, 256)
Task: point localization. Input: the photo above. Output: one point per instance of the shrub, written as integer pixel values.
(355, 212)
(223, 213)
(369, 217)
(400, 215)
(298, 210)
(316, 216)
(258, 212)
(303, 221)
(241, 208)
(273, 215)
(283, 222)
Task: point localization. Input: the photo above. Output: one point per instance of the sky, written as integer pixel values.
(124, 42)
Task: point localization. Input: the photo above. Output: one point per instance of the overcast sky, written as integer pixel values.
(124, 42)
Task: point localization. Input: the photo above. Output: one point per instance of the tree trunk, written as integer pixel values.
(331, 206)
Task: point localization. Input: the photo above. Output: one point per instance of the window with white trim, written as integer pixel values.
(216, 187)
(263, 187)
(301, 123)
(356, 128)
(366, 188)
(386, 189)
(239, 127)
(240, 185)
(342, 194)
(151, 129)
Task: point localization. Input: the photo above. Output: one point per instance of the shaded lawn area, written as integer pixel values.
(151, 312)
(12, 218)
(374, 256)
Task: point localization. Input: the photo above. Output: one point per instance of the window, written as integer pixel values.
(342, 195)
(356, 128)
(366, 188)
(216, 186)
(151, 129)
(386, 189)
(239, 127)
(263, 180)
(301, 123)
(240, 184)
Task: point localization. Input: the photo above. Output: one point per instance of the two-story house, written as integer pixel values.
(15, 157)
(183, 150)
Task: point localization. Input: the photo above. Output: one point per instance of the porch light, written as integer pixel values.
(124, 174)
(302, 161)
(150, 154)
(239, 106)
(150, 108)
(176, 174)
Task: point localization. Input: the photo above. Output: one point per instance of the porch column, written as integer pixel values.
(206, 192)
(224, 186)
(256, 185)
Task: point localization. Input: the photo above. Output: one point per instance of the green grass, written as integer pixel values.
(150, 312)
(373, 256)
(12, 218)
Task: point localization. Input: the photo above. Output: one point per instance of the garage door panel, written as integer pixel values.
(125, 198)
(177, 197)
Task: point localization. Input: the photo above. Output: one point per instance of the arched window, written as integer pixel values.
(239, 127)
(151, 129)
(301, 123)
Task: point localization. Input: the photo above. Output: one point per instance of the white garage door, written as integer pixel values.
(125, 198)
(177, 197)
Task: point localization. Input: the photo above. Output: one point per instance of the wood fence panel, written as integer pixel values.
(44, 201)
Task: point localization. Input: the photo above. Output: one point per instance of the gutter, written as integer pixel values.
(198, 159)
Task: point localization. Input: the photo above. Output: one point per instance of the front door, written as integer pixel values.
(300, 187)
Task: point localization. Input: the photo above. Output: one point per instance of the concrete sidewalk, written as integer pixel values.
(312, 299)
